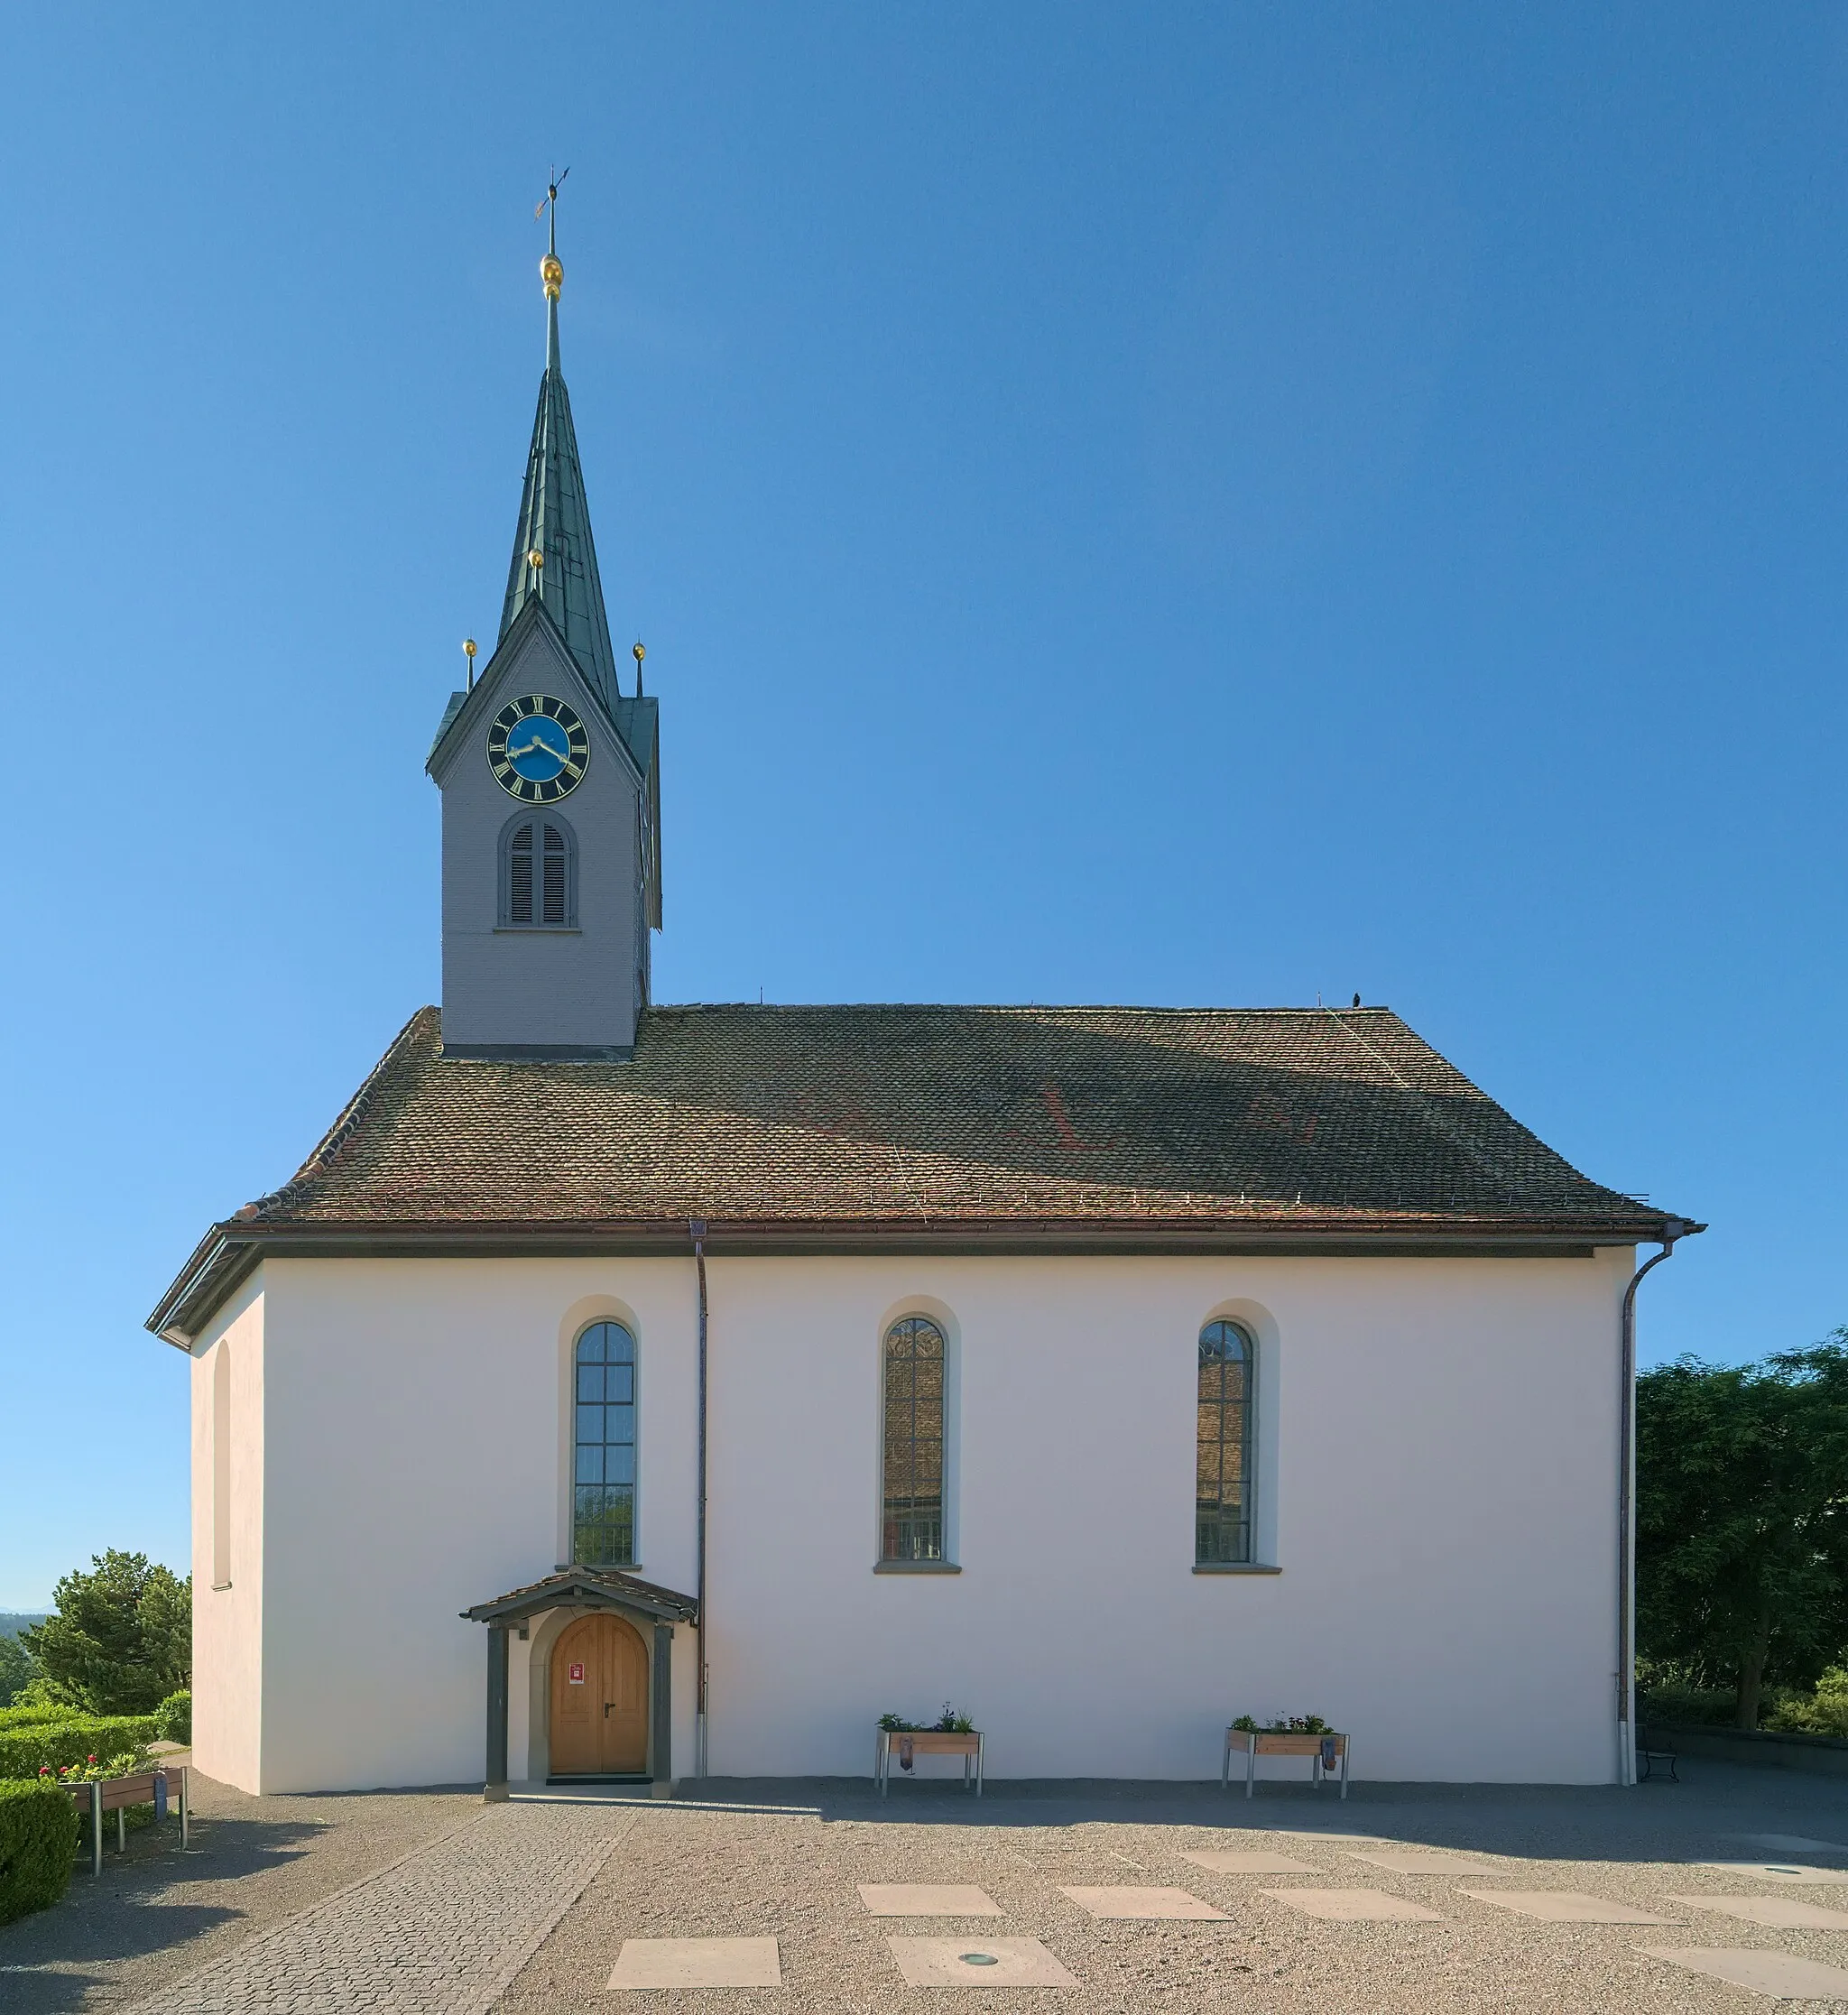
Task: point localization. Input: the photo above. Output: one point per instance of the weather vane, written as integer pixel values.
(550, 272)
(554, 183)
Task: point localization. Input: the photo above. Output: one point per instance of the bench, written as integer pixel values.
(927, 1742)
(116, 1794)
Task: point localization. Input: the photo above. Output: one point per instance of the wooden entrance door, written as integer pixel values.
(600, 1725)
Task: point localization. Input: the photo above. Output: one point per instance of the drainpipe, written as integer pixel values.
(695, 1230)
(1672, 1229)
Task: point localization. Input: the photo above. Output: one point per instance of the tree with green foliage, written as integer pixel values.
(1742, 1519)
(17, 1667)
(122, 1639)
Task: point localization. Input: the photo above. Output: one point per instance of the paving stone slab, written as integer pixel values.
(927, 1900)
(1125, 1900)
(1781, 1913)
(1354, 1905)
(1234, 1861)
(1415, 1861)
(1779, 1872)
(645, 1963)
(1779, 1973)
(977, 1962)
(1562, 1906)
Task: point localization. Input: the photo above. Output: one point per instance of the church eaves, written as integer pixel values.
(555, 521)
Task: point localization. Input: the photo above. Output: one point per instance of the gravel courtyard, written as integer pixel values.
(430, 1901)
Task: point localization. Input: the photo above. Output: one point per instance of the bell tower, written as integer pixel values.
(549, 775)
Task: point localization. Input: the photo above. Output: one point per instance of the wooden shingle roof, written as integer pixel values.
(986, 1127)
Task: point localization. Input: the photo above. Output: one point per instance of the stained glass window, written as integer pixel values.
(1223, 1472)
(603, 1475)
(911, 1526)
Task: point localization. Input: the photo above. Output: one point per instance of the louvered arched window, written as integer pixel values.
(538, 874)
(1222, 1499)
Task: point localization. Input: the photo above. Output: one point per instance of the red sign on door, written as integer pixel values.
(577, 1675)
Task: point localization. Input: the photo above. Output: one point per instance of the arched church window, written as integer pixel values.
(603, 1522)
(539, 874)
(1223, 1495)
(912, 1487)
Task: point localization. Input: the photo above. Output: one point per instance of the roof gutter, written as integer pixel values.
(695, 1231)
(1672, 1229)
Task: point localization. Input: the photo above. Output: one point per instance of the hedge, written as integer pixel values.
(174, 1715)
(59, 1742)
(38, 1839)
(36, 1716)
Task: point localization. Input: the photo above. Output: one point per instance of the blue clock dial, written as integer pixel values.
(543, 754)
(537, 749)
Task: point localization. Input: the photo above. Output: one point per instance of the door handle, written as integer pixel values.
(607, 1706)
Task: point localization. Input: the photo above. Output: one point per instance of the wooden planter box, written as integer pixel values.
(928, 1742)
(1278, 1742)
(116, 1794)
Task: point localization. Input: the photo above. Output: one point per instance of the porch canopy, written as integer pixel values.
(586, 1588)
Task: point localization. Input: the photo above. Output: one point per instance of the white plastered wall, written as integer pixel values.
(1438, 1444)
(416, 1467)
(228, 1600)
(1439, 1489)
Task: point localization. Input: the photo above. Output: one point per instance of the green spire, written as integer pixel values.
(554, 518)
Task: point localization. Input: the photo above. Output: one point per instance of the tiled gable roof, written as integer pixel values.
(994, 1128)
(846, 1113)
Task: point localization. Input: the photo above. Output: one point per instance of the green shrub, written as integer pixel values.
(1675, 1702)
(24, 1751)
(38, 1838)
(1824, 1712)
(175, 1716)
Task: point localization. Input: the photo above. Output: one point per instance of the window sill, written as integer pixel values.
(1233, 1567)
(539, 930)
(916, 1568)
(218, 1586)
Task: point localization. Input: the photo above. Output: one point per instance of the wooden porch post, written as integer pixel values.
(496, 1789)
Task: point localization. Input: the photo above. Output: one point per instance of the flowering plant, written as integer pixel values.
(1283, 1725)
(90, 1771)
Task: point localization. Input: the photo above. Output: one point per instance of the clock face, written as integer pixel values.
(538, 750)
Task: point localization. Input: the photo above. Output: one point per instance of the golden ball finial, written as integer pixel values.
(535, 560)
(468, 646)
(638, 654)
(551, 275)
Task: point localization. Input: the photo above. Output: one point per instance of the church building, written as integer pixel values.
(631, 1392)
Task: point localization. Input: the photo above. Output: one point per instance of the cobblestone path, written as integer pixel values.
(441, 1932)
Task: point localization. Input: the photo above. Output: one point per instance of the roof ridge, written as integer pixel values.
(991, 1007)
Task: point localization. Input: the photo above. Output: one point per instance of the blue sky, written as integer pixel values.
(1182, 505)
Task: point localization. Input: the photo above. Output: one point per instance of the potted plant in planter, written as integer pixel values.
(1289, 1735)
(952, 1734)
